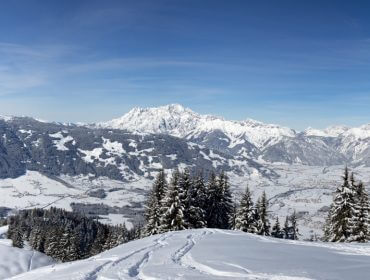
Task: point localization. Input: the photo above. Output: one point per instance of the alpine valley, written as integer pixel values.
(105, 169)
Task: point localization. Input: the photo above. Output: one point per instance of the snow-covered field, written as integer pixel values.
(216, 254)
(14, 261)
(306, 189)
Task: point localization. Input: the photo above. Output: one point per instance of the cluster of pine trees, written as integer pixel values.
(188, 202)
(63, 235)
(253, 218)
(348, 218)
(193, 202)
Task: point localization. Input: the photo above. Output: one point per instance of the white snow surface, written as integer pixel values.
(61, 140)
(216, 254)
(182, 122)
(14, 261)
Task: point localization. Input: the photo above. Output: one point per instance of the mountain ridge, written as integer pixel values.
(254, 139)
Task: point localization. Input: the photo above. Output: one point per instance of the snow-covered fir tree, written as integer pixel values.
(68, 241)
(220, 202)
(361, 230)
(52, 243)
(197, 196)
(37, 239)
(294, 228)
(173, 208)
(262, 220)
(233, 215)
(342, 221)
(185, 185)
(154, 207)
(286, 228)
(327, 225)
(245, 218)
(276, 229)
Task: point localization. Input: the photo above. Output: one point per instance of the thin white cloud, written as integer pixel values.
(132, 64)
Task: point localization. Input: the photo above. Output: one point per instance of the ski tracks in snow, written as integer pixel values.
(131, 265)
(31, 261)
(135, 270)
(190, 243)
(184, 258)
(113, 268)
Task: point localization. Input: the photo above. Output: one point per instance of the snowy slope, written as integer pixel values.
(14, 261)
(182, 122)
(216, 254)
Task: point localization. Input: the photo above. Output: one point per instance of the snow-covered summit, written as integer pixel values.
(359, 133)
(331, 131)
(182, 122)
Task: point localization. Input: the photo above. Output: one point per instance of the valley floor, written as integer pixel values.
(305, 189)
(216, 254)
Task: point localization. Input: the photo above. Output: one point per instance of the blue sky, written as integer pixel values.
(295, 63)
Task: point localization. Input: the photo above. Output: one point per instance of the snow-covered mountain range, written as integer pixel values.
(184, 123)
(250, 138)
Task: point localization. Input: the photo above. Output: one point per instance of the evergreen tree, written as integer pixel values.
(233, 216)
(294, 228)
(342, 220)
(286, 228)
(121, 235)
(196, 214)
(276, 230)
(220, 202)
(160, 185)
(201, 192)
(37, 239)
(361, 231)
(245, 218)
(327, 225)
(185, 185)
(263, 223)
(154, 205)
(68, 246)
(173, 215)
(153, 216)
(212, 198)
(52, 242)
(17, 238)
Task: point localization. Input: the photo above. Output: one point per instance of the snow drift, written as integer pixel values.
(14, 261)
(216, 254)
